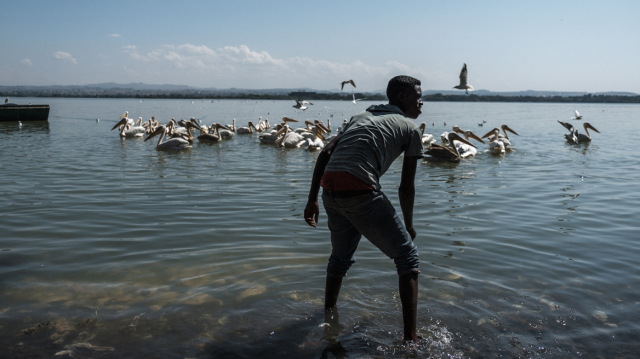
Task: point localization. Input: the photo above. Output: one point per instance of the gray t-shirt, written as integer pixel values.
(372, 140)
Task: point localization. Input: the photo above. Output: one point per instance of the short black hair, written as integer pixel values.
(399, 84)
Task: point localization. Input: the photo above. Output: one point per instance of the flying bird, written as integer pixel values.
(300, 104)
(356, 99)
(463, 81)
(578, 116)
(347, 82)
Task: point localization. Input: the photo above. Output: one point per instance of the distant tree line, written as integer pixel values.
(7, 91)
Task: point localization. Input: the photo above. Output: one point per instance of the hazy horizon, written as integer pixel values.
(567, 46)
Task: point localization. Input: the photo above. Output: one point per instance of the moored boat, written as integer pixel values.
(23, 113)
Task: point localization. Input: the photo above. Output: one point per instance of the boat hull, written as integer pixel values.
(24, 113)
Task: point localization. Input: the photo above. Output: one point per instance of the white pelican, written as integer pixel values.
(463, 81)
(501, 138)
(315, 143)
(304, 129)
(313, 132)
(496, 146)
(346, 82)
(329, 125)
(427, 139)
(289, 139)
(188, 126)
(247, 130)
(270, 137)
(130, 130)
(300, 104)
(464, 149)
(440, 153)
(577, 117)
(575, 137)
(232, 127)
(356, 99)
(213, 135)
(170, 144)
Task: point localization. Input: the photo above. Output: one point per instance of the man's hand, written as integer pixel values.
(412, 232)
(311, 213)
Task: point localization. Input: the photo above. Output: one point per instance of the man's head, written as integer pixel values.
(406, 93)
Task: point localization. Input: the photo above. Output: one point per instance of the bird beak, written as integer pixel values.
(287, 119)
(506, 128)
(591, 127)
(473, 135)
(490, 133)
(323, 127)
(455, 137)
(122, 122)
(156, 132)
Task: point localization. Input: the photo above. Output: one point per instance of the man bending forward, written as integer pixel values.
(349, 170)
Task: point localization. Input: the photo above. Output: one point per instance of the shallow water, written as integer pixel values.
(119, 250)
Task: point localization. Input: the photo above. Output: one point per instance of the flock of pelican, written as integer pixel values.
(177, 135)
(456, 145)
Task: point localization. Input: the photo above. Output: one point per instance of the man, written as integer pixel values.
(349, 168)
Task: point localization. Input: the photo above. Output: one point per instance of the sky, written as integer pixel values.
(583, 46)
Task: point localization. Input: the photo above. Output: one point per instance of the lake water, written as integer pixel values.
(111, 248)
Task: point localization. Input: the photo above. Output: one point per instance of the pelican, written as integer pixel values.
(328, 125)
(130, 130)
(464, 149)
(575, 137)
(247, 130)
(356, 99)
(346, 82)
(289, 139)
(313, 132)
(578, 117)
(496, 146)
(306, 127)
(427, 139)
(463, 81)
(170, 144)
(440, 153)
(213, 135)
(300, 104)
(270, 137)
(188, 126)
(504, 139)
(232, 127)
(315, 142)
(445, 134)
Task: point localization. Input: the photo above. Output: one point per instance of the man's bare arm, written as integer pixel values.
(407, 191)
(312, 210)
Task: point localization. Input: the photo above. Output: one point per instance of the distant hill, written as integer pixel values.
(139, 86)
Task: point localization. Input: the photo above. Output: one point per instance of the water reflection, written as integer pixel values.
(30, 127)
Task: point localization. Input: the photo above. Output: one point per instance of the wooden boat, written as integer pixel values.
(23, 113)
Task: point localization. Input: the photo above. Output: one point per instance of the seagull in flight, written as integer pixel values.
(463, 81)
(347, 82)
(300, 104)
(578, 116)
(356, 99)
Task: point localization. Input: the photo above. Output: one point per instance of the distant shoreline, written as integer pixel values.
(189, 95)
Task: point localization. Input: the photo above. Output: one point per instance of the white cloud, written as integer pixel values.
(61, 55)
(241, 66)
(151, 56)
(114, 35)
(27, 62)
